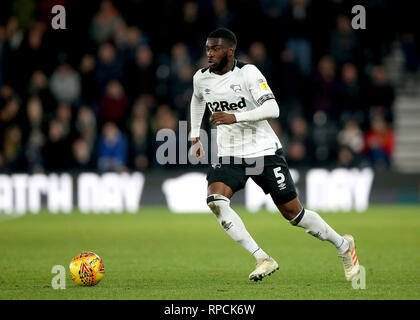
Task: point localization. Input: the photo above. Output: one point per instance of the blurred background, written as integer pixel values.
(93, 96)
(80, 109)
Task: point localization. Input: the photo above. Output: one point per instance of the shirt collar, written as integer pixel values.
(234, 65)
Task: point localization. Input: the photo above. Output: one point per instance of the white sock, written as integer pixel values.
(233, 225)
(316, 226)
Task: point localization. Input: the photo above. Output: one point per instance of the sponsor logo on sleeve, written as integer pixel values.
(263, 84)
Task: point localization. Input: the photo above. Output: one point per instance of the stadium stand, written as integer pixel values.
(93, 96)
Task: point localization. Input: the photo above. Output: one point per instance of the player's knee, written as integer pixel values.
(288, 214)
(216, 202)
(291, 209)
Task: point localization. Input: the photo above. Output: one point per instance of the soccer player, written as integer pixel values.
(241, 101)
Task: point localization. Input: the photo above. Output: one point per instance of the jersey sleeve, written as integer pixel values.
(197, 109)
(196, 90)
(269, 110)
(257, 85)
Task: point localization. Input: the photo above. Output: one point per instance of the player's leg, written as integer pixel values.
(224, 181)
(218, 200)
(278, 182)
(312, 222)
(316, 226)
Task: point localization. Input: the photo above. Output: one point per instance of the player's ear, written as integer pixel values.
(231, 51)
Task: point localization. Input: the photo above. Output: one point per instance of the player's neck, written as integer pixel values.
(228, 67)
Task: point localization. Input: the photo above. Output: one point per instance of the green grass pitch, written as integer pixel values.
(157, 255)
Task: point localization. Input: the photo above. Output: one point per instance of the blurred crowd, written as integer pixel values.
(93, 96)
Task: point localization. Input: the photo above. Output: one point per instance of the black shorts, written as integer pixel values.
(271, 173)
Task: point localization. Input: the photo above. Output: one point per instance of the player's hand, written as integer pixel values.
(197, 149)
(218, 118)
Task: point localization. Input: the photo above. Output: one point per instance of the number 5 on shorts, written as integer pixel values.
(280, 176)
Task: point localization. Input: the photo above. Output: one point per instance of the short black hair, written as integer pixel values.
(225, 34)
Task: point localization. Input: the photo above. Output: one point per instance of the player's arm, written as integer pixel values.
(268, 110)
(197, 109)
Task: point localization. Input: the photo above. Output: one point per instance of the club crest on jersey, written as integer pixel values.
(236, 87)
(206, 91)
(223, 105)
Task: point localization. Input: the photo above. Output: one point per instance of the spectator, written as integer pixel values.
(65, 84)
(298, 26)
(119, 38)
(86, 126)
(34, 151)
(82, 156)
(192, 29)
(344, 44)
(300, 146)
(139, 146)
(14, 41)
(35, 47)
(140, 76)
(380, 94)
(346, 158)
(135, 37)
(64, 114)
(11, 111)
(379, 143)
(274, 11)
(324, 135)
(105, 22)
(2, 46)
(222, 17)
(258, 57)
(296, 154)
(24, 54)
(140, 109)
(181, 90)
(179, 57)
(34, 116)
(113, 106)
(351, 137)
(13, 153)
(112, 149)
(324, 88)
(56, 151)
(287, 80)
(165, 119)
(349, 95)
(410, 49)
(6, 93)
(108, 67)
(89, 86)
(39, 86)
(276, 126)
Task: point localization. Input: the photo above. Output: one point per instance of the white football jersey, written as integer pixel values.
(242, 89)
